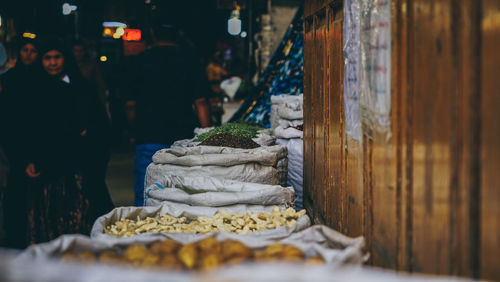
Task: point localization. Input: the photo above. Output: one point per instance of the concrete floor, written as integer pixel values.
(120, 178)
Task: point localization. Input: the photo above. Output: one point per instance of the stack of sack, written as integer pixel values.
(287, 124)
(264, 165)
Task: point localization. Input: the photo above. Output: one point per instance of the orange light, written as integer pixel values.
(132, 34)
(29, 35)
(108, 31)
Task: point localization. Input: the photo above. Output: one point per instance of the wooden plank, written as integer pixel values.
(399, 113)
(432, 61)
(354, 186)
(318, 108)
(328, 100)
(308, 128)
(368, 193)
(489, 213)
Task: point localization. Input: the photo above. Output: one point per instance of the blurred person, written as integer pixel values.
(24, 66)
(89, 69)
(164, 83)
(45, 197)
(215, 74)
(93, 119)
(39, 133)
(16, 86)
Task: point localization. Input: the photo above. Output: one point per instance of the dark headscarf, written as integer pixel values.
(57, 44)
(23, 41)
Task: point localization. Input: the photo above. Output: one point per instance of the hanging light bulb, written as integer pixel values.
(234, 22)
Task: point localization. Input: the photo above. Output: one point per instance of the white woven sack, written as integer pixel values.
(215, 192)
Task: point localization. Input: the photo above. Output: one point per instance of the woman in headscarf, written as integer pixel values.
(16, 88)
(45, 196)
(92, 119)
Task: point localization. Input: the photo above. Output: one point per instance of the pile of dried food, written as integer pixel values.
(229, 140)
(237, 129)
(205, 254)
(221, 221)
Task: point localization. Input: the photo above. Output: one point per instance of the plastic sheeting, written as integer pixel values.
(375, 65)
(351, 69)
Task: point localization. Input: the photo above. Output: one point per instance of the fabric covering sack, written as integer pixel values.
(251, 172)
(266, 165)
(191, 213)
(295, 167)
(286, 129)
(278, 101)
(317, 240)
(219, 156)
(287, 99)
(290, 114)
(215, 192)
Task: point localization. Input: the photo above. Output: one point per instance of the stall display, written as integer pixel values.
(205, 254)
(284, 75)
(182, 222)
(223, 220)
(312, 246)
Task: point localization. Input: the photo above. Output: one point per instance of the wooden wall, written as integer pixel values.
(427, 199)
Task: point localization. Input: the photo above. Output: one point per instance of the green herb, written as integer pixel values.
(233, 128)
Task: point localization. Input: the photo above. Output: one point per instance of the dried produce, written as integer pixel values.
(228, 140)
(221, 221)
(237, 129)
(206, 254)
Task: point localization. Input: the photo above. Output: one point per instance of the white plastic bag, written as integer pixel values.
(230, 86)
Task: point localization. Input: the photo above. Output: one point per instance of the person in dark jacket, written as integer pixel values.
(45, 196)
(95, 124)
(16, 86)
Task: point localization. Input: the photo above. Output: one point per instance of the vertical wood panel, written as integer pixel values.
(432, 135)
(329, 101)
(399, 90)
(490, 141)
(308, 128)
(427, 198)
